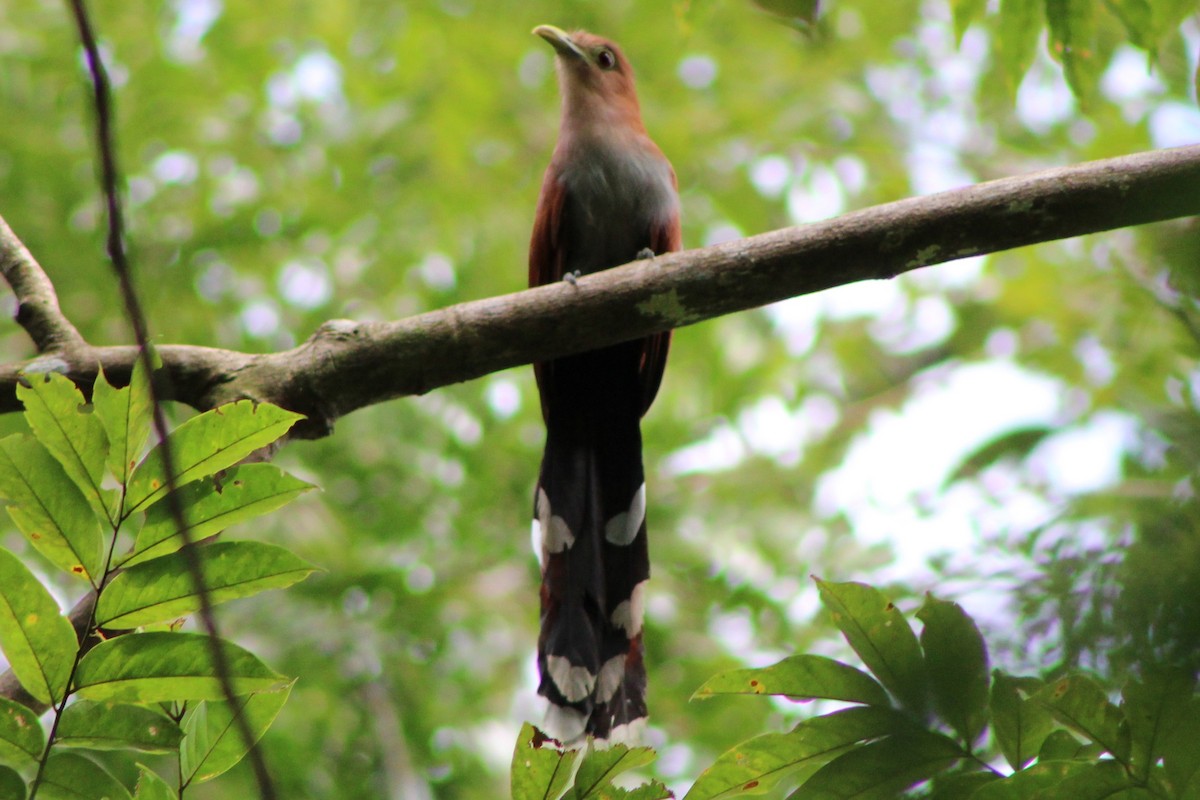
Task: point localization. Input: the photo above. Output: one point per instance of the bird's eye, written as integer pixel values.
(606, 59)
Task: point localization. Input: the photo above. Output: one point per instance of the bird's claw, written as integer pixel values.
(645, 253)
(571, 277)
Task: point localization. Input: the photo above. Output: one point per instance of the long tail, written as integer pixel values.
(590, 530)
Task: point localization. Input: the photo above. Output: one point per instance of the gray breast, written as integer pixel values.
(612, 204)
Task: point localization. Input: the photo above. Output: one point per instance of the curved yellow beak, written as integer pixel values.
(559, 39)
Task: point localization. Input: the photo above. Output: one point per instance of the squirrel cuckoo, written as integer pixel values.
(608, 197)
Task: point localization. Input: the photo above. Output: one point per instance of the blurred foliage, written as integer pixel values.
(292, 162)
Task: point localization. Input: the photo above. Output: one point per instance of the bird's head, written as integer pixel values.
(595, 78)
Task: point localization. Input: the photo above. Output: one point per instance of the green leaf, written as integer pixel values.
(162, 589)
(1138, 19)
(801, 677)
(160, 667)
(1196, 79)
(1148, 23)
(1079, 703)
(213, 504)
(70, 776)
(12, 787)
(21, 736)
(760, 763)
(961, 785)
(114, 726)
(151, 787)
(1017, 34)
(600, 766)
(1059, 745)
(1019, 724)
(1168, 14)
(208, 443)
(1154, 708)
(1073, 44)
(966, 12)
(647, 791)
(1013, 444)
(804, 11)
(36, 638)
(63, 421)
(957, 664)
(1103, 780)
(881, 770)
(1028, 783)
(213, 742)
(49, 509)
(126, 415)
(540, 769)
(882, 638)
(1181, 750)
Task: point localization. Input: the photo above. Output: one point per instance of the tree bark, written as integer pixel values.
(346, 365)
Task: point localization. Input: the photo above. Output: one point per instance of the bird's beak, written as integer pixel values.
(560, 40)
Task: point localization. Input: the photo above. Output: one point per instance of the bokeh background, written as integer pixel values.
(1017, 432)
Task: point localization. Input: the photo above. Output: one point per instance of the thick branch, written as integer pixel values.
(347, 365)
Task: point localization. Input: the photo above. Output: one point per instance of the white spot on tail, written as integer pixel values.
(573, 681)
(564, 724)
(623, 528)
(628, 613)
(609, 680)
(553, 535)
(628, 734)
(535, 536)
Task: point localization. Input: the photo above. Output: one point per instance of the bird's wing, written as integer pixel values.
(663, 239)
(546, 255)
(545, 248)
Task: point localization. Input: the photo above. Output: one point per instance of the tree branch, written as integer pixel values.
(37, 304)
(345, 365)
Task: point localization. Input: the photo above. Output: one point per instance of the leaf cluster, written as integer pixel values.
(1081, 35)
(542, 768)
(921, 710)
(79, 487)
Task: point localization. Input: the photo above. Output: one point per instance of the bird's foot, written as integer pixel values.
(571, 277)
(645, 253)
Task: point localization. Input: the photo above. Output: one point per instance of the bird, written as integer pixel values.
(608, 197)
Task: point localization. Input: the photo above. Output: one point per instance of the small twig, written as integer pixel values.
(116, 252)
(37, 304)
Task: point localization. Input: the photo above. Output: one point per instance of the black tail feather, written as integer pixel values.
(589, 517)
